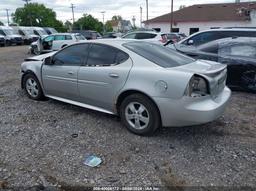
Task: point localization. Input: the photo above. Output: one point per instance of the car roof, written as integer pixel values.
(149, 32)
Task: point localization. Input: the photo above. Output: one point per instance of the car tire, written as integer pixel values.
(139, 114)
(32, 87)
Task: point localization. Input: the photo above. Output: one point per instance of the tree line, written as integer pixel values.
(35, 14)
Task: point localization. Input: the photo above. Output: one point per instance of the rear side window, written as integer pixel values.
(68, 37)
(72, 55)
(145, 36)
(239, 33)
(160, 55)
(103, 55)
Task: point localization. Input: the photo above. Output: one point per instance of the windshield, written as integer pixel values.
(42, 32)
(52, 30)
(8, 31)
(160, 55)
(79, 37)
(28, 31)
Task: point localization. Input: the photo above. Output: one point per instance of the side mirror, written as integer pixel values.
(48, 61)
(190, 42)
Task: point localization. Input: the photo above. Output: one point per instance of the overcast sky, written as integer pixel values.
(126, 8)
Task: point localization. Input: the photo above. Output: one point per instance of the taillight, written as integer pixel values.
(197, 87)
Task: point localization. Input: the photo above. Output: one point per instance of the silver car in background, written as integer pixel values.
(146, 84)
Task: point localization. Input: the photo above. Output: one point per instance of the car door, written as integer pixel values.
(60, 78)
(103, 75)
(58, 42)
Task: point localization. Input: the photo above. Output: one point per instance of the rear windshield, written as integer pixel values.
(160, 55)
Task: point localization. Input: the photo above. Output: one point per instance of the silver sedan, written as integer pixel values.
(146, 84)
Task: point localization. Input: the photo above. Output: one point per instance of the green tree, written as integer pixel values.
(37, 15)
(88, 22)
(117, 18)
(1, 23)
(108, 26)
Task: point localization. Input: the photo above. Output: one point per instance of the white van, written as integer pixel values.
(39, 31)
(27, 33)
(10, 36)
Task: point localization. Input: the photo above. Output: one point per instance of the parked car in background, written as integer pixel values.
(50, 30)
(2, 40)
(26, 33)
(39, 31)
(54, 42)
(149, 36)
(203, 37)
(182, 35)
(239, 54)
(146, 84)
(88, 34)
(112, 35)
(10, 36)
(174, 37)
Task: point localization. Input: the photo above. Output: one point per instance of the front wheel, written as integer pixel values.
(32, 87)
(139, 114)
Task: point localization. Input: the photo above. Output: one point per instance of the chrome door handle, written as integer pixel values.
(71, 72)
(112, 75)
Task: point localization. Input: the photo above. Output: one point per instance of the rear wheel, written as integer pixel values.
(139, 114)
(32, 87)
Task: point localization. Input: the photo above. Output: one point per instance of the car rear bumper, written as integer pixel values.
(189, 111)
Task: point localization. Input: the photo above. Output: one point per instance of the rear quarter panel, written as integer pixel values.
(150, 78)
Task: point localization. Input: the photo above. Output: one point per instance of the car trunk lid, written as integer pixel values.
(215, 73)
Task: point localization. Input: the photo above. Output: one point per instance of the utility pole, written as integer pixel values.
(147, 8)
(171, 17)
(140, 17)
(30, 19)
(133, 21)
(103, 15)
(7, 14)
(73, 15)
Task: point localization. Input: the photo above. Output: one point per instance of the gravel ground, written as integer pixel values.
(37, 148)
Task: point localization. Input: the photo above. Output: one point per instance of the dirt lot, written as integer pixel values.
(37, 148)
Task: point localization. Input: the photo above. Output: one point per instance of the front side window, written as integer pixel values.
(160, 55)
(71, 56)
(145, 36)
(59, 37)
(204, 38)
(130, 36)
(2, 33)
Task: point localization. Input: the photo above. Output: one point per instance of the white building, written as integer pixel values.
(206, 16)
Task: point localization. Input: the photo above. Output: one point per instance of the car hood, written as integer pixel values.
(40, 57)
(202, 67)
